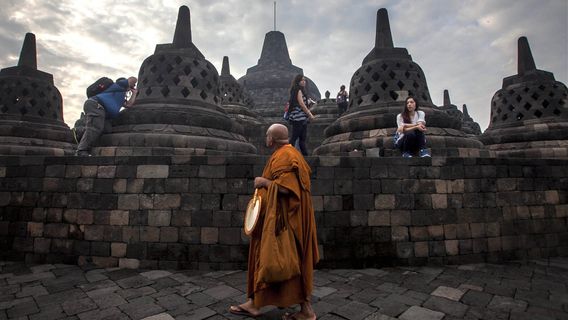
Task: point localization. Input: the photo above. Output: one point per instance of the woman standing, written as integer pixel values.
(300, 115)
(411, 125)
(342, 100)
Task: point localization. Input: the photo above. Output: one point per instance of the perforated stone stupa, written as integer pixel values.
(326, 112)
(178, 108)
(238, 104)
(269, 81)
(377, 93)
(31, 109)
(469, 126)
(529, 114)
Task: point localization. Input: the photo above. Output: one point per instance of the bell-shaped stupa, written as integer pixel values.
(529, 114)
(377, 93)
(178, 108)
(269, 81)
(238, 104)
(31, 109)
(469, 126)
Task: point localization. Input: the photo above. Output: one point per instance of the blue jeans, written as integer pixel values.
(300, 131)
(413, 141)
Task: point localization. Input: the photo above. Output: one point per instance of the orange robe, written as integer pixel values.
(288, 169)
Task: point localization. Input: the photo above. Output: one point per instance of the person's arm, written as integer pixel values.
(300, 99)
(132, 99)
(261, 182)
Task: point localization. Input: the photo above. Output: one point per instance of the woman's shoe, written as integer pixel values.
(406, 155)
(424, 153)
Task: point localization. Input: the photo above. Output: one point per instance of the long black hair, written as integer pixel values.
(296, 84)
(405, 113)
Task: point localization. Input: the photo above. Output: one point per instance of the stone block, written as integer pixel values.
(448, 293)
(399, 234)
(439, 201)
(494, 244)
(452, 247)
(191, 235)
(209, 235)
(106, 172)
(450, 231)
(477, 230)
(436, 232)
(385, 201)
(358, 218)
(134, 185)
(94, 232)
(35, 229)
(400, 218)
(101, 249)
(379, 218)
(152, 171)
(464, 231)
(332, 203)
(421, 249)
(105, 262)
(125, 263)
(405, 250)
(42, 245)
(466, 246)
(118, 249)
(54, 215)
(419, 233)
(56, 230)
(131, 234)
(437, 248)
(214, 172)
(493, 229)
(181, 218)
(168, 201)
(168, 234)
(119, 218)
(160, 218)
(537, 212)
(210, 202)
(150, 234)
(416, 312)
(363, 202)
(480, 245)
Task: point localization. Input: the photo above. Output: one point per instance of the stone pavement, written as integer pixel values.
(532, 290)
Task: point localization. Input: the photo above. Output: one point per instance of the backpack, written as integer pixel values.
(286, 115)
(99, 86)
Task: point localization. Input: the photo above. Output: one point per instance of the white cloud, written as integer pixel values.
(464, 46)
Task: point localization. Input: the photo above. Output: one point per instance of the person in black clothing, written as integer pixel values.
(341, 100)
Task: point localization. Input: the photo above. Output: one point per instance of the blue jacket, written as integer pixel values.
(113, 98)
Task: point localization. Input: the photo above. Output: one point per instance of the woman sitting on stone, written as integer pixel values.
(411, 125)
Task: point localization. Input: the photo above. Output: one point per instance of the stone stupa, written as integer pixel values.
(469, 126)
(450, 108)
(269, 81)
(238, 104)
(529, 114)
(31, 109)
(178, 108)
(326, 112)
(377, 93)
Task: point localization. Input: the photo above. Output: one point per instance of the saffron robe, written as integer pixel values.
(287, 169)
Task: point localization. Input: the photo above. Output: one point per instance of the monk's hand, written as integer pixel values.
(261, 182)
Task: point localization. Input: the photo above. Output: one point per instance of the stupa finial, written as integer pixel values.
(225, 69)
(465, 113)
(383, 38)
(182, 35)
(28, 55)
(525, 59)
(447, 100)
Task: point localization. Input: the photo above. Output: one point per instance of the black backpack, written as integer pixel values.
(99, 86)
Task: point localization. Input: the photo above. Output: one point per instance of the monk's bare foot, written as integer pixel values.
(299, 316)
(245, 309)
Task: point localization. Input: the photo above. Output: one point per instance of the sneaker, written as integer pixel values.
(82, 154)
(406, 155)
(424, 153)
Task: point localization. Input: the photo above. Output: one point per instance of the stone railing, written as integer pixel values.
(186, 212)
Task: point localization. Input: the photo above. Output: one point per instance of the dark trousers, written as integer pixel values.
(95, 123)
(413, 141)
(300, 132)
(341, 107)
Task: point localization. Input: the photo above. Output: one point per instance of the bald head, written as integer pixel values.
(277, 134)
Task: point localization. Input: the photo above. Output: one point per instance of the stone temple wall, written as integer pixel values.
(186, 211)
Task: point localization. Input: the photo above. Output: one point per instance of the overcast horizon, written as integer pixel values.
(467, 47)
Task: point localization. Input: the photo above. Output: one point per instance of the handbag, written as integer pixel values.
(280, 261)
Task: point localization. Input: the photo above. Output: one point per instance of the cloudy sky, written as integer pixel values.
(465, 46)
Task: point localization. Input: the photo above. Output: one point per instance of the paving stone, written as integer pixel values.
(130, 294)
(165, 282)
(134, 282)
(141, 307)
(161, 316)
(23, 309)
(200, 299)
(379, 316)
(476, 298)
(197, 314)
(501, 303)
(110, 313)
(73, 307)
(415, 312)
(446, 306)
(156, 274)
(49, 312)
(354, 311)
(368, 295)
(34, 291)
(222, 292)
(448, 293)
(321, 292)
(187, 289)
(106, 300)
(59, 298)
(322, 308)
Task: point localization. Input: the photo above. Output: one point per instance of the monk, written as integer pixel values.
(287, 176)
